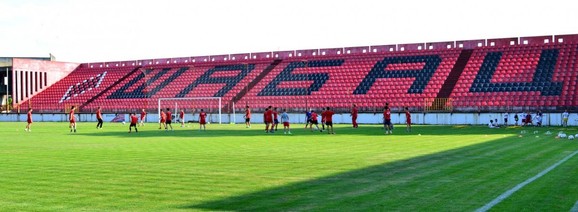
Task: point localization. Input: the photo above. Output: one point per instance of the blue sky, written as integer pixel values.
(109, 30)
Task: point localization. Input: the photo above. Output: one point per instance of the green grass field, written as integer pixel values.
(231, 168)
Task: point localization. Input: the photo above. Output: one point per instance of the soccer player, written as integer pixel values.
(329, 120)
(528, 119)
(407, 120)
(143, 115)
(565, 116)
(516, 118)
(275, 118)
(133, 123)
(323, 118)
(163, 120)
(285, 120)
(202, 120)
(182, 117)
(387, 105)
(354, 116)
(247, 117)
(506, 119)
(268, 118)
(169, 120)
(387, 120)
(72, 119)
(28, 120)
(99, 118)
(308, 117)
(538, 119)
(492, 125)
(314, 121)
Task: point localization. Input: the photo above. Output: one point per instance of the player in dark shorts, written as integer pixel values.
(308, 117)
(133, 122)
(202, 120)
(247, 117)
(329, 120)
(169, 120)
(314, 121)
(528, 119)
(387, 120)
(99, 118)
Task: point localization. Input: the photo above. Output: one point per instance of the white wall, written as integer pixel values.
(366, 118)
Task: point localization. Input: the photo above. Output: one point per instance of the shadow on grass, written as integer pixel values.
(366, 130)
(433, 182)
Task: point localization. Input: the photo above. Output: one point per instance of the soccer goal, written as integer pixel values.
(192, 106)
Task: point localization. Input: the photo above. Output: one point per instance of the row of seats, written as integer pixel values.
(538, 75)
(342, 81)
(493, 76)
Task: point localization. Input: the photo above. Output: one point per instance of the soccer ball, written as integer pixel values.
(570, 137)
(576, 136)
(562, 135)
(123, 123)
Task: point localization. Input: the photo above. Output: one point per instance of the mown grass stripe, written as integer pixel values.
(231, 168)
(511, 191)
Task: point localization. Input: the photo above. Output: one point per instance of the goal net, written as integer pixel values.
(192, 106)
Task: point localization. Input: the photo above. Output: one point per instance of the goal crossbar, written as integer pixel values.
(191, 99)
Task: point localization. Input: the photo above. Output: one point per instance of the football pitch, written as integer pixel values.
(231, 168)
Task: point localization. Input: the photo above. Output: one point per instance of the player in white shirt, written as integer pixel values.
(538, 119)
(565, 116)
(285, 120)
(492, 125)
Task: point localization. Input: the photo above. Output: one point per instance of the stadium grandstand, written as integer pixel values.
(288, 105)
(517, 74)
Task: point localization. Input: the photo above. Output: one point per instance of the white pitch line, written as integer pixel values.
(508, 193)
(575, 208)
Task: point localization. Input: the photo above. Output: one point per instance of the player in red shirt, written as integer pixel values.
(387, 120)
(182, 117)
(407, 120)
(329, 120)
(268, 118)
(354, 116)
(133, 122)
(163, 120)
(143, 115)
(275, 118)
(29, 120)
(314, 121)
(169, 120)
(72, 119)
(247, 117)
(202, 120)
(99, 118)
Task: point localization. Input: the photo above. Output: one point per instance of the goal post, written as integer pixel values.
(192, 105)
